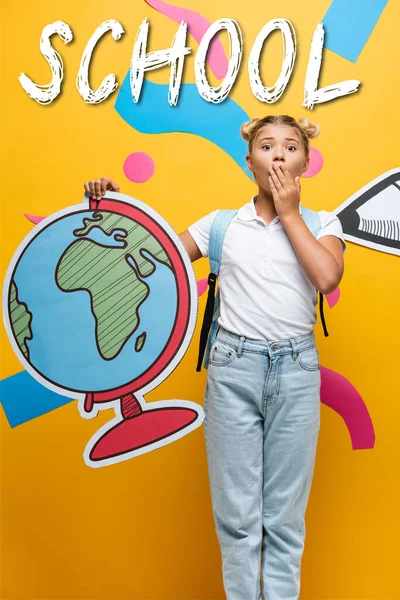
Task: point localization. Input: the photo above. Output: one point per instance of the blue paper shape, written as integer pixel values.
(348, 25)
(218, 123)
(23, 398)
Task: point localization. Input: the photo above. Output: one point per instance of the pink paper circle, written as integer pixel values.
(201, 286)
(139, 167)
(315, 164)
(333, 298)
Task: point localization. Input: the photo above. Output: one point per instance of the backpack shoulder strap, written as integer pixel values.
(311, 219)
(218, 230)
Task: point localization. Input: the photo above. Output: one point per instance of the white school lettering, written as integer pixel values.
(45, 94)
(313, 95)
(109, 84)
(218, 94)
(147, 61)
(174, 56)
(273, 93)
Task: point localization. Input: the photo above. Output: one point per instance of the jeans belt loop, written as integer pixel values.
(295, 353)
(240, 347)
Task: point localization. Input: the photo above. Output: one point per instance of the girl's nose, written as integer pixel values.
(278, 155)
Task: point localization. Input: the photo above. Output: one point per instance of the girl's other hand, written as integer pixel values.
(96, 188)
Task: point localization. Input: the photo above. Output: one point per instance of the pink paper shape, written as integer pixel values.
(33, 219)
(139, 167)
(333, 298)
(197, 26)
(338, 393)
(201, 286)
(315, 164)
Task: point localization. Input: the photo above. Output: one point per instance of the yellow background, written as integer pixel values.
(143, 528)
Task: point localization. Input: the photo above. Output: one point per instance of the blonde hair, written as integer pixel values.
(306, 129)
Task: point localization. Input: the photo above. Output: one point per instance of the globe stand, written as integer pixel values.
(139, 428)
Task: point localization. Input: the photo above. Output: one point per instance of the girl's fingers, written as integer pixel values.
(287, 174)
(97, 187)
(280, 175)
(273, 188)
(275, 179)
(92, 189)
(104, 184)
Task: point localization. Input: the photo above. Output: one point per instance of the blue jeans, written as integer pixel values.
(262, 419)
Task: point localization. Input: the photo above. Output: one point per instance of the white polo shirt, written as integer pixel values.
(265, 293)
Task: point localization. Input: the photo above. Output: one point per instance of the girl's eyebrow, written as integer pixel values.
(272, 138)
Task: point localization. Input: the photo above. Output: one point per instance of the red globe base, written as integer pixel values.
(137, 432)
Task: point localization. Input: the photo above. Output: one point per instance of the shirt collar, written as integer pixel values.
(248, 211)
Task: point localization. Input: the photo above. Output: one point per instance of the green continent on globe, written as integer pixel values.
(102, 267)
(20, 320)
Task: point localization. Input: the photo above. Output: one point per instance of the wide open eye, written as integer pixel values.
(371, 216)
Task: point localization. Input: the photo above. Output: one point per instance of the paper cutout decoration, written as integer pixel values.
(23, 398)
(333, 298)
(153, 114)
(202, 285)
(139, 167)
(338, 393)
(348, 25)
(100, 303)
(33, 218)
(315, 163)
(371, 216)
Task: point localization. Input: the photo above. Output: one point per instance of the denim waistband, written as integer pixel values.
(242, 344)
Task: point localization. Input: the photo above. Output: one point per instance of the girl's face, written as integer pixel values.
(278, 144)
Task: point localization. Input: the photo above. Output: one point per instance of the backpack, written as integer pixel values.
(218, 230)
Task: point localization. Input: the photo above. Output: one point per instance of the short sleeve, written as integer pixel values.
(331, 225)
(200, 232)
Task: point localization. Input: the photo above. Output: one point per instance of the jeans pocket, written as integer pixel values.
(221, 354)
(308, 359)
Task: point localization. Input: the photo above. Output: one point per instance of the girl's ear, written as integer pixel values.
(306, 166)
(249, 162)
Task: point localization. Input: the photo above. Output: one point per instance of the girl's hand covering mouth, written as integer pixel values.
(285, 191)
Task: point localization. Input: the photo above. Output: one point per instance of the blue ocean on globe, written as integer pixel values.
(63, 347)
